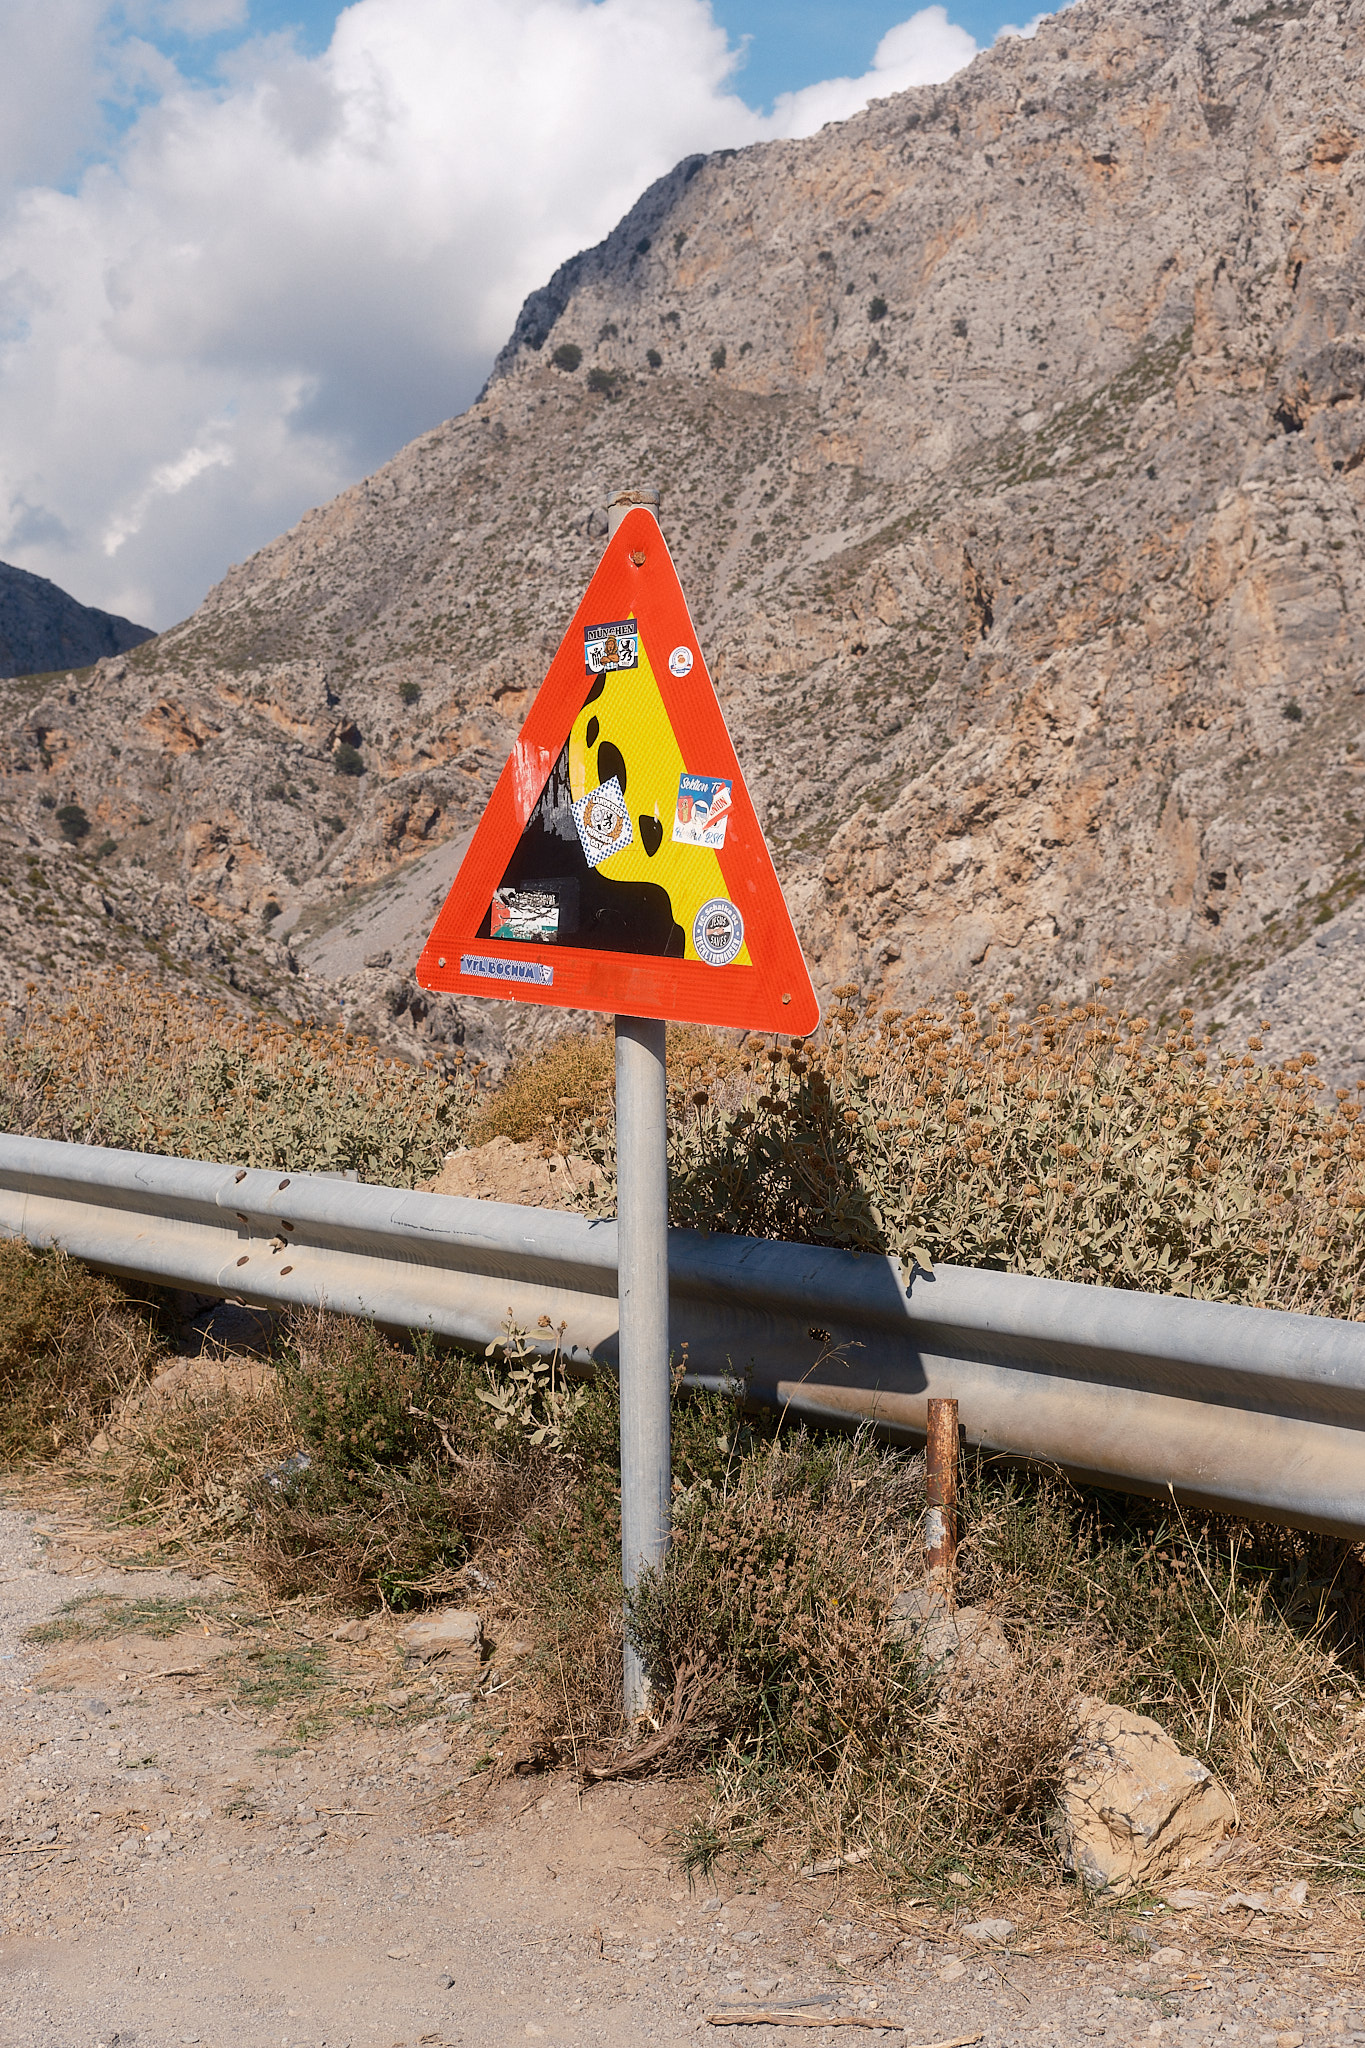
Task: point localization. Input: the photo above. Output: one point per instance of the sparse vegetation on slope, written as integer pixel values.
(124, 1061)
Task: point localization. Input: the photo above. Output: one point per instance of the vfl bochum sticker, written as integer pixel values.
(603, 821)
(717, 932)
(612, 646)
(507, 970)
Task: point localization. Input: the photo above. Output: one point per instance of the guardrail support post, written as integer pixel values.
(940, 1487)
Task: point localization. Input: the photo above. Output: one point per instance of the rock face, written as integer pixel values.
(41, 628)
(1011, 439)
(1134, 1810)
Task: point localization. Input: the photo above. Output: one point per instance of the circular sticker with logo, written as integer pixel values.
(680, 661)
(717, 932)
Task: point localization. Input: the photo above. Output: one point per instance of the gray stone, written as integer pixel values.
(452, 1634)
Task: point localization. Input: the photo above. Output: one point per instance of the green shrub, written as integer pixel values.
(72, 823)
(654, 359)
(410, 692)
(604, 382)
(567, 356)
(1077, 1143)
(877, 308)
(348, 760)
(718, 357)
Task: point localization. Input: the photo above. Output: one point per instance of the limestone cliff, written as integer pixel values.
(1011, 442)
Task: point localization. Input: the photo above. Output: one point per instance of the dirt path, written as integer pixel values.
(178, 1868)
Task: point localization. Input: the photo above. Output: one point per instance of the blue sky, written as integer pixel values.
(791, 43)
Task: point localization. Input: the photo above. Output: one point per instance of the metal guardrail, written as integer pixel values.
(1231, 1407)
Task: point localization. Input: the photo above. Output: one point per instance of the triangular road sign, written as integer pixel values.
(619, 865)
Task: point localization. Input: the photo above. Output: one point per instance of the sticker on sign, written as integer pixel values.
(703, 812)
(507, 970)
(610, 647)
(603, 821)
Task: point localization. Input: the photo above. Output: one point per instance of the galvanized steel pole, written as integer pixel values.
(642, 1277)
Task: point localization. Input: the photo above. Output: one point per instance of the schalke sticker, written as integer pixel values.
(603, 821)
(717, 932)
(612, 646)
(703, 811)
(680, 661)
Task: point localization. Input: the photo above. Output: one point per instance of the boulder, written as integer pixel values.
(1134, 1810)
(453, 1634)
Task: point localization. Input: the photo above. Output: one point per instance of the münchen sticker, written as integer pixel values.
(603, 821)
(717, 932)
(612, 646)
(680, 661)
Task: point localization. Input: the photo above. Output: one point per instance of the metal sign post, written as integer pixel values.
(642, 1284)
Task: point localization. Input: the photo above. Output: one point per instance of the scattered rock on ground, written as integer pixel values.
(454, 1634)
(1133, 1809)
(996, 1931)
(504, 1171)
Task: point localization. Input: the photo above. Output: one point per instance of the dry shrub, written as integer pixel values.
(573, 1078)
(564, 1095)
(1243, 1642)
(125, 1061)
(1077, 1143)
(993, 1755)
(72, 1346)
(399, 1469)
(193, 1463)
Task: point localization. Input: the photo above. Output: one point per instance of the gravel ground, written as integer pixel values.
(175, 1872)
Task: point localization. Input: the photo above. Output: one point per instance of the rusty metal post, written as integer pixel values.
(940, 1487)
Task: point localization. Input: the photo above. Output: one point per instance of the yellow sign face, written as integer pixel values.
(622, 742)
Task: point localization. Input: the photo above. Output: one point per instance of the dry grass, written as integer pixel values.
(73, 1345)
(124, 1061)
(193, 1465)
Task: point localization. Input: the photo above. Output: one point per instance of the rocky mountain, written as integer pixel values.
(1011, 443)
(42, 628)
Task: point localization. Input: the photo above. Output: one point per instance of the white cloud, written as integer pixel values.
(264, 288)
(49, 85)
(921, 51)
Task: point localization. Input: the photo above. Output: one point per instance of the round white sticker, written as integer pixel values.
(680, 661)
(717, 932)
